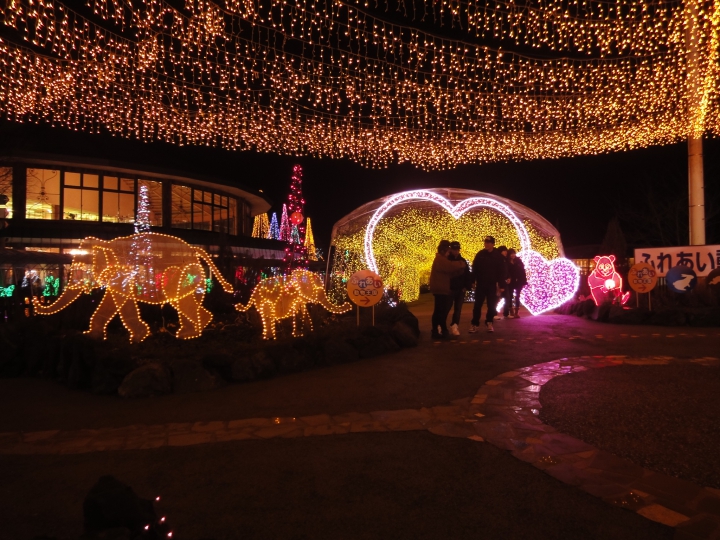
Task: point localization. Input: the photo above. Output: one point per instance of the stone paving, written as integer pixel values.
(504, 412)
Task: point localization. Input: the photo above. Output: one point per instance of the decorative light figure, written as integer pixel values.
(310, 242)
(179, 279)
(285, 232)
(287, 296)
(261, 226)
(274, 232)
(604, 281)
(550, 283)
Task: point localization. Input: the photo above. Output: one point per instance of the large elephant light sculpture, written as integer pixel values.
(287, 296)
(144, 267)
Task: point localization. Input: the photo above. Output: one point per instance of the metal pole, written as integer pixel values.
(358, 315)
(373, 315)
(696, 192)
(695, 98)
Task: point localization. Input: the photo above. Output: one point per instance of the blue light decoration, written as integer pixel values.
(274, 233)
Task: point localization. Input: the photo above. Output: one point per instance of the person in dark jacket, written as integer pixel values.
(443, 270)
(518, 279)
(458, 286)
(488, 271)
(507, 293)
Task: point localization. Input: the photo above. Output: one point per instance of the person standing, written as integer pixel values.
(442, 271)
(507, 293)
(458, 286)
(518, 279)
(488, 271)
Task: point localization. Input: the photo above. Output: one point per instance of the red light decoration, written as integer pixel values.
(604, 281)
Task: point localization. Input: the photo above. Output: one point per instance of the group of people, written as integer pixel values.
(495, 273)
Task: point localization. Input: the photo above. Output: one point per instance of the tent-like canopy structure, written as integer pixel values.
(397, 235)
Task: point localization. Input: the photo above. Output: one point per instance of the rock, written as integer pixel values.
(111, 507)
(628, 315)
(189, 376)
(110, 370)
(220, 363)
(403, 335)
(146, 381)
(339, 351)
(667, 317)
(375, 341)
(263, 365)
(286, 357)
(242, 370)
(601, 313)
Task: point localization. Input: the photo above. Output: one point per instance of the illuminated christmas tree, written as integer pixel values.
(143, 273)
(274, 232)
(310, 242)
(295, 235)
(261, 227)
(296, 254)
(285, 231)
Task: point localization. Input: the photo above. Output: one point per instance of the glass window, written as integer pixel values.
(232, 217)
(155, 196)
(181, 207)
(6, 181)
(110, 182)
(42, 194)
(81, 204)
(90, 180)
(118, 200)
(72, 179)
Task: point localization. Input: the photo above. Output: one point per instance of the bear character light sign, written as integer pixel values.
(604, 281)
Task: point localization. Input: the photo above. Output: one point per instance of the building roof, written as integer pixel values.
(258, 201)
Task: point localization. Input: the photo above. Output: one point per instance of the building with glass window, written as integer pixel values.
(55, 201)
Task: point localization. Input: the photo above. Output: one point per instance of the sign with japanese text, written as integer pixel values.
(702, 259)
(642, 277)
(365, 288)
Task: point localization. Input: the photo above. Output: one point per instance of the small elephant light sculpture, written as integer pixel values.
(280, 297)
(144, 267)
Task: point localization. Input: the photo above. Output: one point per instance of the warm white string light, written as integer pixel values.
(327, 78)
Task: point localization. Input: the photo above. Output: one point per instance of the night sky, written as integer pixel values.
(578, 195)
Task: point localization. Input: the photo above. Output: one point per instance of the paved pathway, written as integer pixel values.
(504, 412)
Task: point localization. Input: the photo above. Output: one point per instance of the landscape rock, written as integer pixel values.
(403, 335)
(111, 507)
(375, 341)
(189, 376)
(110, 371)
(263, 365)
(242, 370)
(146, 381)
(339, 351)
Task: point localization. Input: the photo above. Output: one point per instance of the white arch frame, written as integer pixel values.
(456, 211)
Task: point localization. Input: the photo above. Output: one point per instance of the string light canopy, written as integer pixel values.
(433, 83)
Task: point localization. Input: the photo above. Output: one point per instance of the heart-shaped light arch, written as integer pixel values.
(536, 302)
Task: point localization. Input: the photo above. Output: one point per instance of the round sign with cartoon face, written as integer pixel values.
(365, 288)
(642, 277)
(681, 279)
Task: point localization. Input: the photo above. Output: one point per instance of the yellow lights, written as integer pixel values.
(261, 226)
(310, 242)
(331, 79)
(146, 267)
(405, 239)
(283, 297)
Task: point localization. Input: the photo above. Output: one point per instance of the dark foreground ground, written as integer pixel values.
(373, 485)
(665, 418)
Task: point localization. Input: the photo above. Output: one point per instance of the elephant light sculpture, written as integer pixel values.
(144, 267)
(280, 297)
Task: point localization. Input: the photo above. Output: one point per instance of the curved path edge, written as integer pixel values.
(507, 408)
(504, 412)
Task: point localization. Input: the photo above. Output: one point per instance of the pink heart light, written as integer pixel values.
(550, 283)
